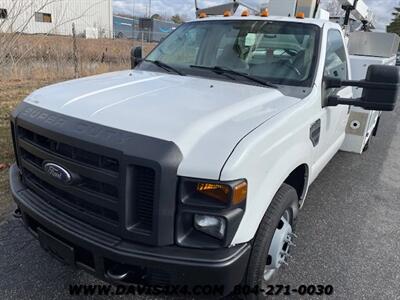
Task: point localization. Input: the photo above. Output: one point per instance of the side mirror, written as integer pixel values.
(380, 89)
(136, 56)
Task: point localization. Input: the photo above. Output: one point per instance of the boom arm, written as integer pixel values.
(220, 9)
(359, 10)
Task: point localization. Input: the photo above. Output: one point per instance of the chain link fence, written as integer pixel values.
(142, 37)
(44, 57)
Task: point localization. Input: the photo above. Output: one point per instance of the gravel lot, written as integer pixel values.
(349, 233)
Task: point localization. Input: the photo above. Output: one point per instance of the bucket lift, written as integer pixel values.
(289, 8)
(284, 8)
(360, 11)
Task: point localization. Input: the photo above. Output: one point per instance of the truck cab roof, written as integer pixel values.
(319, 22)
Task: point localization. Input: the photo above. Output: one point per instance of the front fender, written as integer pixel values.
(262, 191)
(266, 165)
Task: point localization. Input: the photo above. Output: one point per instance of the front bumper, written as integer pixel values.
(99, 252)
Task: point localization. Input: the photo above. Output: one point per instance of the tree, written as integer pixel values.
(177, 19)
(334, 8)
(156, 17)
(394, 27)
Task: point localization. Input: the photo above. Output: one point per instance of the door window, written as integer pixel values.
(336, 59)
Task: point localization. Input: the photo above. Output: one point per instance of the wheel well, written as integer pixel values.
(298, 180)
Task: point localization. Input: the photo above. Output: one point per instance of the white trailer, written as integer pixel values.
(93, 18)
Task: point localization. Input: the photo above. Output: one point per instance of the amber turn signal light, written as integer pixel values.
(300, 15)
(216, 191)
(245, 13)
(227, 13)
(202, 15)
(239, 193)
(224, 193)
(265, 13)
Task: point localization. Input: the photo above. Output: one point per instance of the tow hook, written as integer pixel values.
(17, 213)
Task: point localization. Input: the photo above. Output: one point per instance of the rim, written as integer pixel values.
(282, 242)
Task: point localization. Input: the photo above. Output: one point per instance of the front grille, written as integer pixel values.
(85, 182)
(94, 198)
(122, 183)
(75, 203)
(68, 151)
(98, 197)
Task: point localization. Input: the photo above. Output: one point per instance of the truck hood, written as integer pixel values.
(205, 118)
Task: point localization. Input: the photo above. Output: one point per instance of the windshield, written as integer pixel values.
(276, 52)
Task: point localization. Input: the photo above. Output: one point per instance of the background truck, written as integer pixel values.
(192, 168)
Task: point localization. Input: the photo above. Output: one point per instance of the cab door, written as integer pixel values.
(333, 119)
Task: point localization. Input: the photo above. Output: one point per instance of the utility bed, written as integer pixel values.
(366, 49)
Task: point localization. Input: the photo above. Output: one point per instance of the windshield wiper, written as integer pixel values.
(165, 66)
(223, 70)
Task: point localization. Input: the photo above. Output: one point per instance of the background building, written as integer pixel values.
(125, 27)
(92, 18)
(149, 29)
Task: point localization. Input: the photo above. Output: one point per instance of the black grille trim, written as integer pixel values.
(144, 197)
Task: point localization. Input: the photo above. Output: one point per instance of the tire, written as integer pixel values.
(285, 200)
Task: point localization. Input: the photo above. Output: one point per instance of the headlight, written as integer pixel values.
(211, 225)
(209, 212)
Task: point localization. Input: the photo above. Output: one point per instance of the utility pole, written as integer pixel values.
(133, 23)
(149, 8)
(75, 51)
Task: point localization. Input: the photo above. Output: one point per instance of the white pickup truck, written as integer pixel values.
(192, 167)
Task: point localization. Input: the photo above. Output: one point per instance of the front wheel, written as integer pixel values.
(274, 238)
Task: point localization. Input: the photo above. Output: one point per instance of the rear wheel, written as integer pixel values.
(274, 238)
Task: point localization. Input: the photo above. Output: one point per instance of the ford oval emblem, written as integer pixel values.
(57, 172)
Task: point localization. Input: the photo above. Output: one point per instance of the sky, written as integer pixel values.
(381, 8)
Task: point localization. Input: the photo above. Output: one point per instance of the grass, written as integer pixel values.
(52, 57)
(37, 61)
(11, 93)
